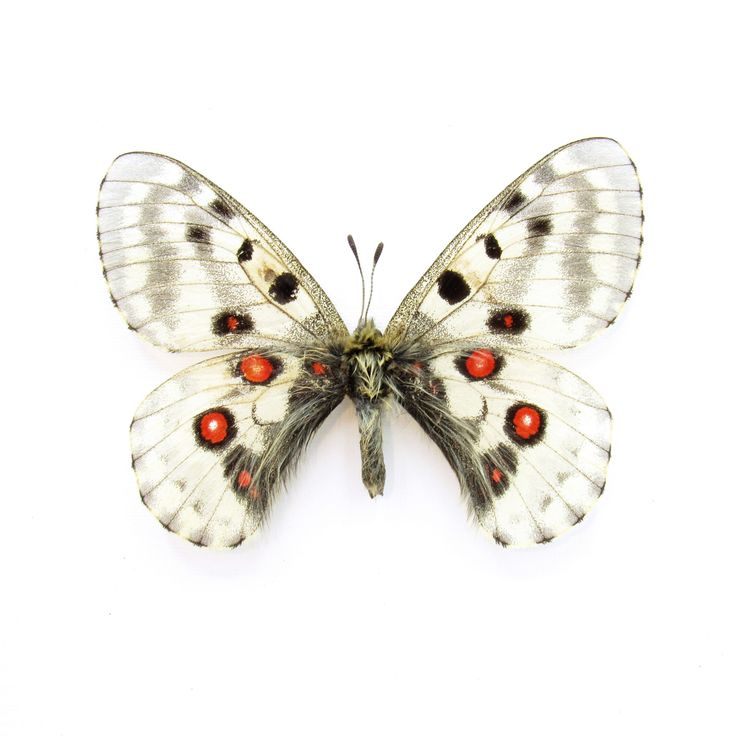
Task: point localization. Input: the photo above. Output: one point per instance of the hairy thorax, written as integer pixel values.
(366, 360)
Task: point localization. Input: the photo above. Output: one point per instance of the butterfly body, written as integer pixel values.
(368, 361)
(547, 264)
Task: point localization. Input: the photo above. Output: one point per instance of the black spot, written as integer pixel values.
(493, 249)
(198, 234)
(219, 444)
(540, 226)
(232, 323)
(508, 322)
(515, 201)
(284, 288)
(522, 434)
(222, 208)
(452, 287)
(245, 252)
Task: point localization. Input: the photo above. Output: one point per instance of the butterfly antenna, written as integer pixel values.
(351, 243)
(376, 256)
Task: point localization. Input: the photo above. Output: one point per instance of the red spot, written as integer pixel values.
(256, 368)
(496, 475)
(508, 321)
(480, 363)
(244, 479)
(232, 323)
(319, 369)
(417, 366)
(213, 427)
(527, 422)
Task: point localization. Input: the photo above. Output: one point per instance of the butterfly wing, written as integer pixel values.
(528, 440)
(213, 444)
(192, 269)
(547, 264)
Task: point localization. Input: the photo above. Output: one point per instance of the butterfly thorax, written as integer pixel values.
(366, 356)
(366, 359)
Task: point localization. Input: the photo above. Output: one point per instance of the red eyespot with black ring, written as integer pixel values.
(525, 423)
(479, 364)
(255, 368)
(214, 428)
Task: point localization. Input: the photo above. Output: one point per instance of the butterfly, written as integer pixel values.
(546, 265)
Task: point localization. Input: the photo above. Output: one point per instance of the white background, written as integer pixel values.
(394, 122)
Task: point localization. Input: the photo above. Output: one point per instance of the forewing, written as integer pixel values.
(212, 445)
(191, 269)
(528, 440)
(547, 264)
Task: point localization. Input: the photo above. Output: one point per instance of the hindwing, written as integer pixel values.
(528, 440)
(212, 445)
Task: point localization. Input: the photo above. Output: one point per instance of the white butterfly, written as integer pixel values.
(547, 264)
